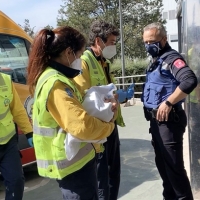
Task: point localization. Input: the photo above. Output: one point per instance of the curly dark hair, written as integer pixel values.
(103, 30)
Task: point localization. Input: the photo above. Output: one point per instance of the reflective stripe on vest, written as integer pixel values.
(44, 131)
(3, 115)
(62, 164)
(7, 137)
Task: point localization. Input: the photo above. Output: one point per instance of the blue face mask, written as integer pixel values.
(153, 48)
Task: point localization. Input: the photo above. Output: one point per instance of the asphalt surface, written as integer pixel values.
(139, 175)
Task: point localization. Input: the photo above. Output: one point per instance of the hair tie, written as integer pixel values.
(50, 34)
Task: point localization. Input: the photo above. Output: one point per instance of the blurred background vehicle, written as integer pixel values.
(14, 49)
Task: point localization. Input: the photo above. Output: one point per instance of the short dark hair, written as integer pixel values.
(103, 30)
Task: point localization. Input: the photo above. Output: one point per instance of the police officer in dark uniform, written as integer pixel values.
(169, 80)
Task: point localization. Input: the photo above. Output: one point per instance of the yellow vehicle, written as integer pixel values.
(14, 50)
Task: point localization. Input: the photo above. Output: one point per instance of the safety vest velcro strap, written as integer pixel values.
(3, 139)
(62, 164)
(3, 115)
(42, 80)
(44, 131)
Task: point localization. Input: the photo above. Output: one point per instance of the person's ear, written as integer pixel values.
(97, 40)
(68, 51)
(165, 39)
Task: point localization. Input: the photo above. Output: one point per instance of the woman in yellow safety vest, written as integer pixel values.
(57, 110)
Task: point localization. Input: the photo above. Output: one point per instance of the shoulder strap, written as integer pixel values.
(42, 80)
(87, 56)
(50, 73)
(153, 66)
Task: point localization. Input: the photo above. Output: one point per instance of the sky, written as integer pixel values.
(40, 13)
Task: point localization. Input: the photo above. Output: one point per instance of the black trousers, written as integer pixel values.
(11, 169)
(82, 184)
(109, 168)
(167, 140)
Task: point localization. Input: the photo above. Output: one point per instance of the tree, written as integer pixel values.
(49, 27)
(30, 31)
(27, 28)
(136, 14)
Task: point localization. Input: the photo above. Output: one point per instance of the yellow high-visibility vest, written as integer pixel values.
(7, 126)
(49, 138)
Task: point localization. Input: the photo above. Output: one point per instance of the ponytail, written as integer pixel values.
(39, 56)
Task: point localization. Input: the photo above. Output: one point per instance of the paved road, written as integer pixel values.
(139, 178)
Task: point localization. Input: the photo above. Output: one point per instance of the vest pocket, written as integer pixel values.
(152, 94)
(58, 147)
(7, 128)
(98, 80)
(7, 122)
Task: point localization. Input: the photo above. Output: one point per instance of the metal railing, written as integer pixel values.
(124, 83)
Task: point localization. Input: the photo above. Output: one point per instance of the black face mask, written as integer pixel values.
(153, 49)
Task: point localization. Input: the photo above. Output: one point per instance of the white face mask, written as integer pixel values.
(76, 64)
(109, 51)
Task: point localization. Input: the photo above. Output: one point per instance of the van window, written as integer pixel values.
(13, 57)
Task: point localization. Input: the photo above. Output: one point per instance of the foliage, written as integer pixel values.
(49, 27)
(133, 67)
(136, 14)
(27, 28)
(30, 31)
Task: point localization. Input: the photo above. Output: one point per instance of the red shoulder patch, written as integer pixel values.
(179, 63)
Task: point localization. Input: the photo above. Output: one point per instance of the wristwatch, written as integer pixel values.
(168, 103)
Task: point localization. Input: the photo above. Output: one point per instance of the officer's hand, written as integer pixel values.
(130, 91)
(122, 94)
(29, 137)
(163, 112)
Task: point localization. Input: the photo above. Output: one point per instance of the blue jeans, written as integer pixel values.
(11, 169)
